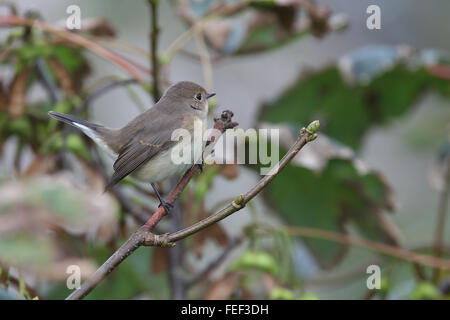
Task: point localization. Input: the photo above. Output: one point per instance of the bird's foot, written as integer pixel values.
(167, 206)
(200, 166)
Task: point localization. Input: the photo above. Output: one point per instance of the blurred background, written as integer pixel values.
(371, 190)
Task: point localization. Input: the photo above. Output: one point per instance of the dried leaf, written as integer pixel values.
(159, 260)
(3, 98)
(224, 288)
(62, 75)
(41, 165)
(229, 171)
(213, 232)
(17, 93)
(98, 27)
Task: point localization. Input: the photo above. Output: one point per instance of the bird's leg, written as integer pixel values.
(200, 165)
(167, 206)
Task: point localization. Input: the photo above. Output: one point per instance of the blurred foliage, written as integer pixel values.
(326, 96)
(53, 213)
(310, 199)
(248, 27)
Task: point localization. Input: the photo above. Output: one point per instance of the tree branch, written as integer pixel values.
(144, 237)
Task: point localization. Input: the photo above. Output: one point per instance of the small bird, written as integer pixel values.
(142, 148)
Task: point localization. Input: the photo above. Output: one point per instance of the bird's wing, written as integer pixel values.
(137, 152)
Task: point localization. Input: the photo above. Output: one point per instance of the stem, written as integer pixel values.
(379, 247)
(442, 214)
(154, 48)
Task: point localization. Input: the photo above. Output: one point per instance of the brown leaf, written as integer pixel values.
(98, 27)
(214, 232)
(224, 288)
(3, 98)
(159, 260)
(62, 75)
(42, 165)
(229, 171)
(17, 93)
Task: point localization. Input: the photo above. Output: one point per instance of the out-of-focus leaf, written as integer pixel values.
(159, 260)
(67, 59)
(3, 98)
(229, 171)
(308, 296)
(426, 291)
(21, 127)
(214, 232)
(17, 93)
(62, 75)
(224, 288)
(256, 26)
(98, 27)
(256, 260)
(77, 146)
(28, 52)
(30, 208)
(330, 199)
(279, 293)
(347, 111)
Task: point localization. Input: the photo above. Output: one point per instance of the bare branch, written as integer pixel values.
(154, 48)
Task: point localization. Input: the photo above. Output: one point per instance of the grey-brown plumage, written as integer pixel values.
(143, 145)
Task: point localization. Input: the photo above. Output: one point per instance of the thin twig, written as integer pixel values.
(101, 91)
(154, 48)
(442, 215)
(382, 248)
(205, 60)
(144, 237)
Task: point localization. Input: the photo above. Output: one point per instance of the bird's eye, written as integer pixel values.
(198, 96)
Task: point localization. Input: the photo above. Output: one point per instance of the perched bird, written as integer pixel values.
(143, 147)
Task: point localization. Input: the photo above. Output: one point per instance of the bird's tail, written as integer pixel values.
(73, 121)
(96, 132)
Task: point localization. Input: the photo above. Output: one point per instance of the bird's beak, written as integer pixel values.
(210, 94)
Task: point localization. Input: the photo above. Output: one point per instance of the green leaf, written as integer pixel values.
(329, 200)
(258, 260)
(71, 58)
(346, 111)
(76, 144)
(278, 293)
(426, 291)
(23, 250)
(20, 126)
